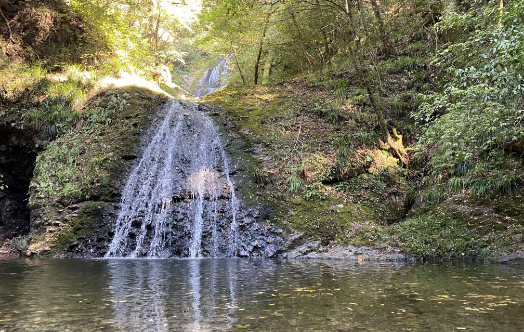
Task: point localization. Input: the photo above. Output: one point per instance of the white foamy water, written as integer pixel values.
(179, 199)
(214, 78)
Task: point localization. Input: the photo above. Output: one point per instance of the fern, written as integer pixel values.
(295, 185)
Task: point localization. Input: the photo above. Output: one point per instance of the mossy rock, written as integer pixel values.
(88, 164)
(82, 225)
(88, 161)
(325, 220)
(317, 167)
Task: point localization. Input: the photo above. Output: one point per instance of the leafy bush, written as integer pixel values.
(295, 185)
(480, 107)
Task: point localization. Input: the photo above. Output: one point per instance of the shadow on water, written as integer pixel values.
(258, 295)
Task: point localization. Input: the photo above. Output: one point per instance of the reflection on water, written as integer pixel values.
(236, 294)
(167, 295)
(138, 294)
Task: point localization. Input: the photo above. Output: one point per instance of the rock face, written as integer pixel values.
(77, 186)
(179, 199)
(257, 237)
(16, 168)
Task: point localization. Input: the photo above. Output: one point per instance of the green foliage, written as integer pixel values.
(257, 172)
(313, 191)
(295, 185)
(51, 103)
(456, 184)
(479, 108)
(434, 196)
(499, 183)
(403, 64)
(132, 34)
(80, 164)
(399, 107)
(360, 96)
(438, 237)
(333, 115)
(317, 168)
(344, 148)
(114, 33)
(234, 27)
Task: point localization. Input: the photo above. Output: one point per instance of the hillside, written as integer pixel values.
(365, 203)
(406, 119)
(68, 131)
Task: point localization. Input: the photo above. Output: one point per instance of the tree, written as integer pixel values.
(138, 31)
(350, 13)
(388, 48)
(241, 28)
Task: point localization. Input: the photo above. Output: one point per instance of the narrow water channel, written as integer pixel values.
(233, 294)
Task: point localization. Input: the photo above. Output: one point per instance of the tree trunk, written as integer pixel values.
(267, 67)
(238, 66)
(395, 143)
(327, 52)
(382, 31)
(259, 55)
(501, 13)
(156, 37)
(361, 68)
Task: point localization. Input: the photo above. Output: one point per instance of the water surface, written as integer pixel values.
(239, 294)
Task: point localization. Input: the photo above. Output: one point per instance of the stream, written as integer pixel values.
(230, 294)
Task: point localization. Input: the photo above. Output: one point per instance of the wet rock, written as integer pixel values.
(303, 250)
(256, 237)
(349, 252)
(513, 257)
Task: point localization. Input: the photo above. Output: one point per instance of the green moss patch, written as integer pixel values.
(325, 220)
(301, 155)
(82, 225)
(453, 229)
(89, 162)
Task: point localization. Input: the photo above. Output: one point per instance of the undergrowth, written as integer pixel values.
(81, 164)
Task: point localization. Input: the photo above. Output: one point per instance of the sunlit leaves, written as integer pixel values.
(135, 31)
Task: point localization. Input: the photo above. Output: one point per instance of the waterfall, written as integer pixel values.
(214, 78)
(179, 199)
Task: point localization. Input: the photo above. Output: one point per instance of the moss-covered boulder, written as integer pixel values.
(78, 177)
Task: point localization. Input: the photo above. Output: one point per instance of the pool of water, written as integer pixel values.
(238, 294)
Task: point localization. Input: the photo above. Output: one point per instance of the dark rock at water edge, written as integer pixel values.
(16, 167)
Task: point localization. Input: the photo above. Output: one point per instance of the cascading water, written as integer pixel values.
(214, 78)
(179, 200)
(180, 193)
